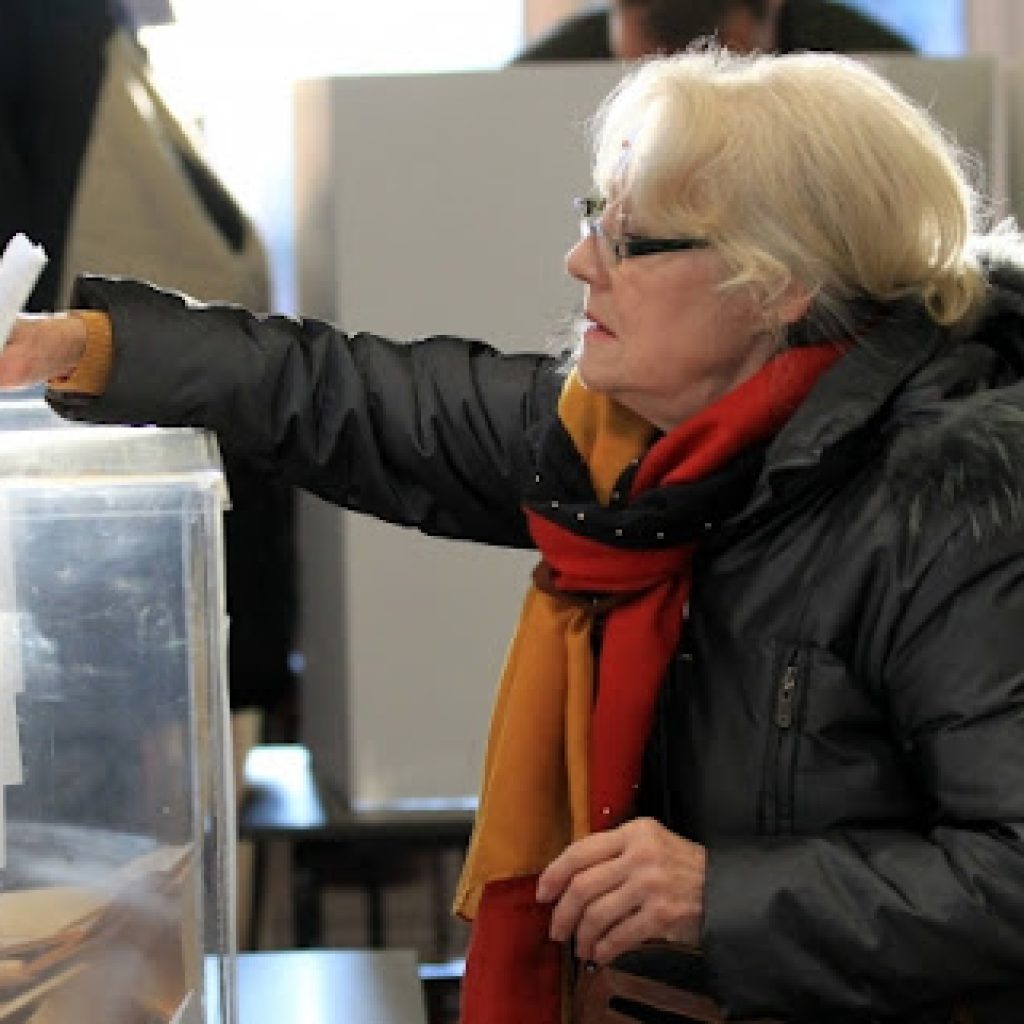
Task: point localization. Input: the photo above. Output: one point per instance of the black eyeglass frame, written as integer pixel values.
(628, 246)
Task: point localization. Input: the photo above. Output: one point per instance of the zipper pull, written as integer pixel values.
(784, 700)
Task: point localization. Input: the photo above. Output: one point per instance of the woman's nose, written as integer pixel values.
(583, 262)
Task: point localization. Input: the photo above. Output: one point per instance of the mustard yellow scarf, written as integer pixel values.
(558, 764)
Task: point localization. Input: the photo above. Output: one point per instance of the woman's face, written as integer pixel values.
(659, 336)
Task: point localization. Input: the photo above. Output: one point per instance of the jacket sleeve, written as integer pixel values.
(433, 434)
(880, 919)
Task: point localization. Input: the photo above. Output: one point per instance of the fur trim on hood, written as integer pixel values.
(959, 425)
(967, 455)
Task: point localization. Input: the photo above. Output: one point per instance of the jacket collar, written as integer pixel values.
(849, 398)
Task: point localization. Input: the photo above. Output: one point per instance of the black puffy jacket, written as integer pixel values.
(843, 726)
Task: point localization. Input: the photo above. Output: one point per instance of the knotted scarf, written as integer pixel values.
(616, 519)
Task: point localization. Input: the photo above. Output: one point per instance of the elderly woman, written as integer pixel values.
(761, 730)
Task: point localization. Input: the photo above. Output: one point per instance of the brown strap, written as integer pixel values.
(603, 993)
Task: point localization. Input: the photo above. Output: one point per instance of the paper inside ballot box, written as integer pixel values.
(123, 953)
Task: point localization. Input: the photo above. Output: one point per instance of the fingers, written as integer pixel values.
(625, 934)
(616, 913)
(39, 348)
(17, 363)
(579, 856)
(617, 889)
(592, 901)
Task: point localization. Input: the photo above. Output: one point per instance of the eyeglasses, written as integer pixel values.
(626, 247)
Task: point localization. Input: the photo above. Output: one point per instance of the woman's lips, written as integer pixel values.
(593, 328)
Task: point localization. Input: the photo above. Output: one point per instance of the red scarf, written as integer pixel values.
(638, 552)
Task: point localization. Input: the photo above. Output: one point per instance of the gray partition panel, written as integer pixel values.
(1014, 82)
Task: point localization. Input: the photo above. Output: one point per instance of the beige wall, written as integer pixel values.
(540, 14)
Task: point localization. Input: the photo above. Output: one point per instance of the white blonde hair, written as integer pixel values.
(806, 168)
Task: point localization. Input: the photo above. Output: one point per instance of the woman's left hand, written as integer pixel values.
(619, 888)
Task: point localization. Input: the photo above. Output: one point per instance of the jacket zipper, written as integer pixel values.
(786, 696)
(777, 804)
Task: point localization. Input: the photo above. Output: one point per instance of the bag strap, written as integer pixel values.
(605, 995)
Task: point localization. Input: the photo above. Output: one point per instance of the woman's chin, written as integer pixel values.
(585, 375)
(591, 373)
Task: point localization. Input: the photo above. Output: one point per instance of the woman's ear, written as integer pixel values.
(792, 305)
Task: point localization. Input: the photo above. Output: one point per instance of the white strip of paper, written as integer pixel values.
(10, 686)
(12, 677)
(20, 267)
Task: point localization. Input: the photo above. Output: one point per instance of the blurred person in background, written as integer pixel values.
(629, 29)
(51, 68)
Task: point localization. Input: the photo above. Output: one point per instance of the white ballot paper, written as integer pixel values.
(20, 267)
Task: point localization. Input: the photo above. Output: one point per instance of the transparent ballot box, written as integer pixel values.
(116, 812)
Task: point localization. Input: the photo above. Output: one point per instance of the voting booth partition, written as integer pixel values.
(441, 204)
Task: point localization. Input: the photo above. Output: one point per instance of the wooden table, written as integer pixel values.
(284, 800)
(324, 987)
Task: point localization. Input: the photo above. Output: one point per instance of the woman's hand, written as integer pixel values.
(619, 888)
(41, 347)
